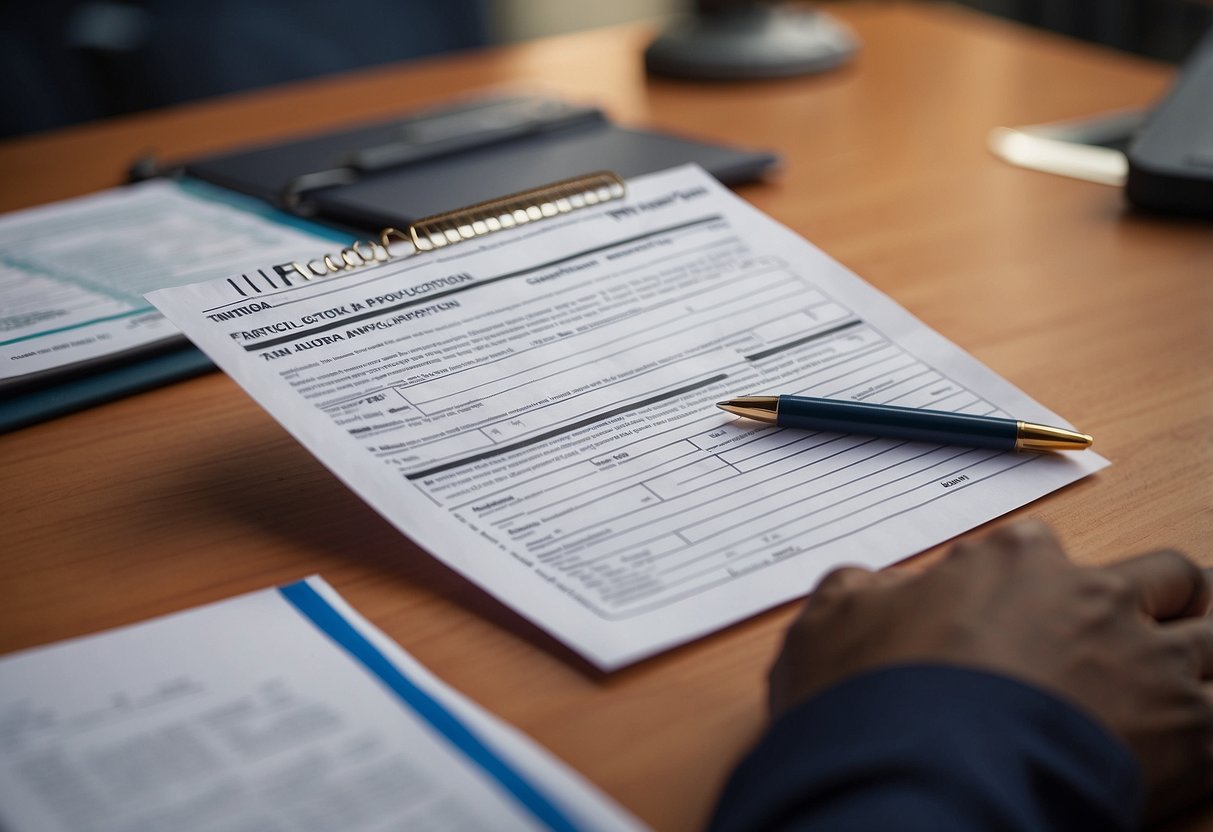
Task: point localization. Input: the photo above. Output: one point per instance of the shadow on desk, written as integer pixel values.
(270, 484)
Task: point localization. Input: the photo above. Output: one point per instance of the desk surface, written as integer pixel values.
(191, 493)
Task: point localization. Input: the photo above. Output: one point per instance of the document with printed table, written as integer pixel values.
(276, 710)
(535, 407)
(73, 274)
(75, 329)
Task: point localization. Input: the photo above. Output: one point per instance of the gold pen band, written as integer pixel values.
(1034, 437)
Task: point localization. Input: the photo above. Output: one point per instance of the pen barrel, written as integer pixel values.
(934, 426)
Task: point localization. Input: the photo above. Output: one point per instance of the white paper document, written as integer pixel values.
(73, 274)
(536, 408)
(277, 711)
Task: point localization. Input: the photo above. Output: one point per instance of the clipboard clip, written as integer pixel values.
(468, 223)
(446, 133)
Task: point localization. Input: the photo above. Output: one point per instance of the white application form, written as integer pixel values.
(536, 408)
(73, 274)
(277, 711)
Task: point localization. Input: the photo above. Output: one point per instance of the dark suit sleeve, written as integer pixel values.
(926, 748)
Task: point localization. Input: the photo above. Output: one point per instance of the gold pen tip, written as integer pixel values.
(762, 408)
(1034, 437)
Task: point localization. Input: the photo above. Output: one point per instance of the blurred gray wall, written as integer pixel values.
(515, 20)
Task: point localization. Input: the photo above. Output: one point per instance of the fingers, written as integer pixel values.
(1030, 538)
(844, 585)
(1195, 635)
(844, 579)
(850, 578)
(1168, 584)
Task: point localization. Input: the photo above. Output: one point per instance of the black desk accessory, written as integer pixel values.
(1171, 159)
(726, 40)
(393, 173)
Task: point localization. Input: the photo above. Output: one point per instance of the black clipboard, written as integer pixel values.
(392, 173)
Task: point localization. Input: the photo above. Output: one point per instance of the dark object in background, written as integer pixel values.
(1171, 160)
(66, 61)
(393, 173)
(1163, 29)
(737, 41)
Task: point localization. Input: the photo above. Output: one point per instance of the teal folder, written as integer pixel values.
(102, 385)
(105, 378)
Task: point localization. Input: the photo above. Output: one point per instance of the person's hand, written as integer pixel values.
(1129, 643)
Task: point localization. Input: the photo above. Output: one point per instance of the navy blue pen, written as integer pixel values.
(911, 423)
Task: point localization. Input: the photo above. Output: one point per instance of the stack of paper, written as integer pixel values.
(275, 711)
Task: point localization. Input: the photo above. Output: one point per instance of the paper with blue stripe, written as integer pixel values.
(278, 709)
(319, 612)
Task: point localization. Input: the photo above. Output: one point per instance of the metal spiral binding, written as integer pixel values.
(517, 209)
(468, 223)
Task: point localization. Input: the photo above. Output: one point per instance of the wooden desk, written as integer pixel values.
(191, 493)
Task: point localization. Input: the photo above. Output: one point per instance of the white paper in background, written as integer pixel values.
(536, 409)
(274, 711)
(73, 274)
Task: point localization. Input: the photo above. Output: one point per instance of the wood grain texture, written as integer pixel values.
(191, 493)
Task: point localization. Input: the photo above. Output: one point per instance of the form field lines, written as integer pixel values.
(804, 548)
(597, 355)
(619, 487)
(699, 589)
(578, 463)
(534, 301)
(798, 501)
(568, 427)
(615, 482)
(712, 499)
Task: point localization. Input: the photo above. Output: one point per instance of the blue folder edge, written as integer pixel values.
(121, 380)
(22, 409)
(329, 621)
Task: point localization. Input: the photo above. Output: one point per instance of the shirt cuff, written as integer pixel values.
(934, 747)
